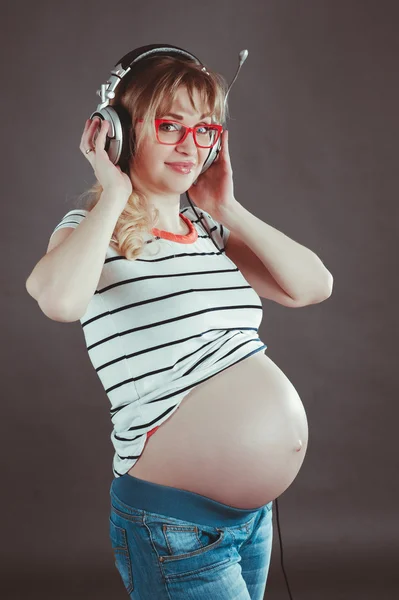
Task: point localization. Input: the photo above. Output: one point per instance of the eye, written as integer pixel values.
(206, 130)
(174, 126)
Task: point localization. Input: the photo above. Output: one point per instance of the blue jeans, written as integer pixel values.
(172, 544)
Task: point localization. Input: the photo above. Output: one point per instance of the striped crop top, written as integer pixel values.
(159, 325)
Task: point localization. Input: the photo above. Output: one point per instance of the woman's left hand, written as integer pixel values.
(214, 191)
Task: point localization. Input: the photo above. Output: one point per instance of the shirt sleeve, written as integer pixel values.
(71, 219)
(219, 232)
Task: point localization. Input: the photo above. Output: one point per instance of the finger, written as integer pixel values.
(226, 153)
(225, 139)
(94, 123)
(88, 132)
(105, 128)
(85, 130)
(101, 134)
(96, 132)
(222, 148)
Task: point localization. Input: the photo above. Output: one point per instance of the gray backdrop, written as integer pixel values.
(313, 143)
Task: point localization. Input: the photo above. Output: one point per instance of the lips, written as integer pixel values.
(186, 165)
(184, 168)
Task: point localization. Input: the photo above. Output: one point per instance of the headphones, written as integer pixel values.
(120, 123)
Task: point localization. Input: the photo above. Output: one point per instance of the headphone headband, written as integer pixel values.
(139, 53)
(124, 65)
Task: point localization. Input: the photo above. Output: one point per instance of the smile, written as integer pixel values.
(184, 170)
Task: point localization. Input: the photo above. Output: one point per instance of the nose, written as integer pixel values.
(189, 144)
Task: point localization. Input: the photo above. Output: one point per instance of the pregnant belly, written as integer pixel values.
(239, 438)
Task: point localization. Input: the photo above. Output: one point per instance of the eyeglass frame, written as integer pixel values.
(219, 129)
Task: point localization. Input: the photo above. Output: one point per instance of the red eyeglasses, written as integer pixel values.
(172, 132)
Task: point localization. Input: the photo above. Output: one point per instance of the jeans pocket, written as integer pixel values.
(120, 549)
(184, 541)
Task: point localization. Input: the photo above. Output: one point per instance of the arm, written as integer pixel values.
(300, 278)
(65, 279)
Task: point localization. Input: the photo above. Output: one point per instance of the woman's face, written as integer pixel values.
(149, 170)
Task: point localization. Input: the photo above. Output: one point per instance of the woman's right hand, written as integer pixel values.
(110, 176)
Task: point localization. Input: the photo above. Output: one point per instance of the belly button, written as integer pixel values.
(300, 446)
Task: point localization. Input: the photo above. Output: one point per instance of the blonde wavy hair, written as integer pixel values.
(148, 94)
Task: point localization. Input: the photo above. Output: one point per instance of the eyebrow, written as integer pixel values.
(180, 117)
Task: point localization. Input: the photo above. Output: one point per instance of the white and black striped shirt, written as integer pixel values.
(159, 325)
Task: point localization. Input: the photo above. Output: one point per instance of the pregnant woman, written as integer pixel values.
(207, 430)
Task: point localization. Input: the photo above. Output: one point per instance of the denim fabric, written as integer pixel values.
(172, 544)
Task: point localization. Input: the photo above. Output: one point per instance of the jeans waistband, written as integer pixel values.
(178, 503)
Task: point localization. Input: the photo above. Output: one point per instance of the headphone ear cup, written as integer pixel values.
(213, 154)
(124, 149)
(117, 142)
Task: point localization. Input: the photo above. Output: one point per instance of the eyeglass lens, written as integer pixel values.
(172, 133)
